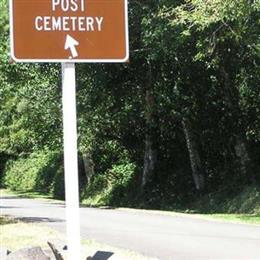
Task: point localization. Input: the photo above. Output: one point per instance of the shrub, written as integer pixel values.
(110, 188)
(35, 172)
(57, 189)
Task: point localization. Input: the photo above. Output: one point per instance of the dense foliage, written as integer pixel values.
(40, 171)
(181, 118)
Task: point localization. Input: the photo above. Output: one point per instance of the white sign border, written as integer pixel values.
(125, 59)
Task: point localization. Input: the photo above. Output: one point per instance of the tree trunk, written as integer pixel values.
(150, 159)
(195, 161)
(244, 159)
(150, 153)
(245, 163)
(88, 166)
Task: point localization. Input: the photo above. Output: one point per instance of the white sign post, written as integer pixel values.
(69, 31)
(71, 160)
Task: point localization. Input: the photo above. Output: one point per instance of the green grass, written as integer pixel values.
(26, 194)
(233, 218)
(229, 201)
(236, 218)
(16, 235)
(5, 220)
(240, 205)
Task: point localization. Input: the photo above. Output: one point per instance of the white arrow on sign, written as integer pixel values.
(71, 44)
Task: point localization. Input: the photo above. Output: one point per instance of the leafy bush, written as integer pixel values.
(111, 188)
(36, 172)
(57, 188)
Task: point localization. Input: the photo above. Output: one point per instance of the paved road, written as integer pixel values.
(152, 234)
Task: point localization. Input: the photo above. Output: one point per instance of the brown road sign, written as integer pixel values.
(69, 30)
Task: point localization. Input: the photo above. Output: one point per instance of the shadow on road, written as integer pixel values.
(102, 255)
(97, 207)
(7, 207)
(39, 220)
(11, 197)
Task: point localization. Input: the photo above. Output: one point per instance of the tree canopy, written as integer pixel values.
(182, 117)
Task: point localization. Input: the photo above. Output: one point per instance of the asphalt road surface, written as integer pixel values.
(152, 234)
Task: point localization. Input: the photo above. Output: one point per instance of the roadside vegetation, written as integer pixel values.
(242, 205)
(239, 207)
(176, 128)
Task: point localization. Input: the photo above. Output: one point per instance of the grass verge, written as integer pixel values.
(243, 207)
(240, 205)
(16, 235)
(27, 194)
(235, 218)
